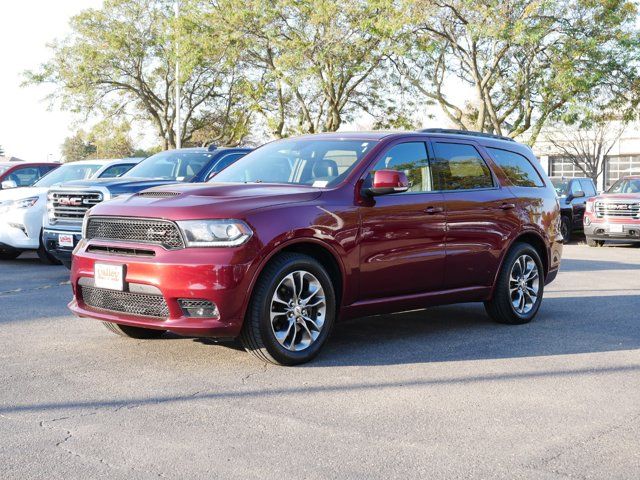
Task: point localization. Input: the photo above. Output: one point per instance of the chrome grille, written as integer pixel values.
(618, 210)
(70, 207)
(157, 232)
(139, 304)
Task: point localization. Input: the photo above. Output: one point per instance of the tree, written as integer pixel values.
(120, 60)
(106, 139)
(77, 147)
(311, 65)
(525, 61)
(587, 145)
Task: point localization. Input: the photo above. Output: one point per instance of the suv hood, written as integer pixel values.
(210, 200)
(118, 185)
(630, 197)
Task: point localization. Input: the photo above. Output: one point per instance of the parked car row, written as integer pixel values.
(273, 246)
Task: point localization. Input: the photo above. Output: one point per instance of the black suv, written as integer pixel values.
(573, 194)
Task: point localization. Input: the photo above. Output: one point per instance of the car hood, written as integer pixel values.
(21, 192)
(628, 197)
(118, 185)
(205, 200)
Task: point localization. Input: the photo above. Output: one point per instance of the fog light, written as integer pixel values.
(198, 308)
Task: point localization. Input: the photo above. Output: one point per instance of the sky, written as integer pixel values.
(27, 129)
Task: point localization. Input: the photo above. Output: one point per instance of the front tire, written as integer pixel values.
(291, 312)
(518, 293)
(45, 257)
(565, 228)
(133, 332)
(9, 255)
(594, 243)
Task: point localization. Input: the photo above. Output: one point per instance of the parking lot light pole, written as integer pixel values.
(177, 120)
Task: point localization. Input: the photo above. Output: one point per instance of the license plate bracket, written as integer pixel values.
(65, 240)
(109, 276)
(615, 228)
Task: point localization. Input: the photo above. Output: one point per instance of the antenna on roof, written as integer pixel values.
(471, 133)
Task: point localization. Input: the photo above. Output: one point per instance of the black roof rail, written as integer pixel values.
(470, 133)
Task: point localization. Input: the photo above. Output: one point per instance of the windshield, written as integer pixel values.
(561, 186)
(178, 165)
(626, 185)
(319, 163)
(67, 173)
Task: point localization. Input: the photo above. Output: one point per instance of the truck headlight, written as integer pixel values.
(23, 203)
(215, 233)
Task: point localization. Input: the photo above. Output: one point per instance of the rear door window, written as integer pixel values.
(459, 166)
(517, 168)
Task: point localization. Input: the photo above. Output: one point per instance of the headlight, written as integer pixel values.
(215, 233)
(23, 203)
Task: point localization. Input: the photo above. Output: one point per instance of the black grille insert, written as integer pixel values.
(153, 194)
(158, 232)
(139, 304)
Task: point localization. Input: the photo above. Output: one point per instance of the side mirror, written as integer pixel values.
(578, 194)
(388, 181)
(8, 184)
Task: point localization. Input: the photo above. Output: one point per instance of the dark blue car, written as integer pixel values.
(68, 203)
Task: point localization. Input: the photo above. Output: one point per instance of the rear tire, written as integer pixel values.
(565, 228)
(291, 312)
(9, 255)
(133, 332)
(518, 293)
(594, 243)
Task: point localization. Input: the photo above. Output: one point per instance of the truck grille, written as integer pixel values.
(139, 304)
(70, 207)
(157, 232)
(618, 210)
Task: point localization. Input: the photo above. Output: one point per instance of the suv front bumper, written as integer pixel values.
(51, 241)
(607, 230)
(222, 276)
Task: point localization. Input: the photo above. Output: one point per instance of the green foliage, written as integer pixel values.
(121, 59)
(524, 61)
(311, 65)
(107, 139)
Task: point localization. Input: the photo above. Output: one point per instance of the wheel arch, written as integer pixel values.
(536, 241)
(314, 248)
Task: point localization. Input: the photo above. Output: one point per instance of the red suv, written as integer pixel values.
(305, 231)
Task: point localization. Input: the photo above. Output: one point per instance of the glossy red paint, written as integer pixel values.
(391, 252)
(389, 181)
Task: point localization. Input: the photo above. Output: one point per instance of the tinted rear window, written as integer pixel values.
(517, 168)
(459, 167)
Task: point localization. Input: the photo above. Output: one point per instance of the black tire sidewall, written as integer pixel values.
(277, 351)
(566, 225)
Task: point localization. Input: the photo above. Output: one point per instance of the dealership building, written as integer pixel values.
(623, 158)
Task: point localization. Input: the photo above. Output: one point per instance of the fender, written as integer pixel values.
(526, 231)
(275, 251)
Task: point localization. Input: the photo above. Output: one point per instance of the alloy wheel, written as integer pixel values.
(298, 310)
(524, 284)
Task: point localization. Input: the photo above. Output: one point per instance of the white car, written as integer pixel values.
(22, 209)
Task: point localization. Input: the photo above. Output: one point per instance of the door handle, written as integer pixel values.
(433, 210)
(507, 206)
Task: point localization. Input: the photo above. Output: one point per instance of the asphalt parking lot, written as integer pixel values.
(441, 393)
